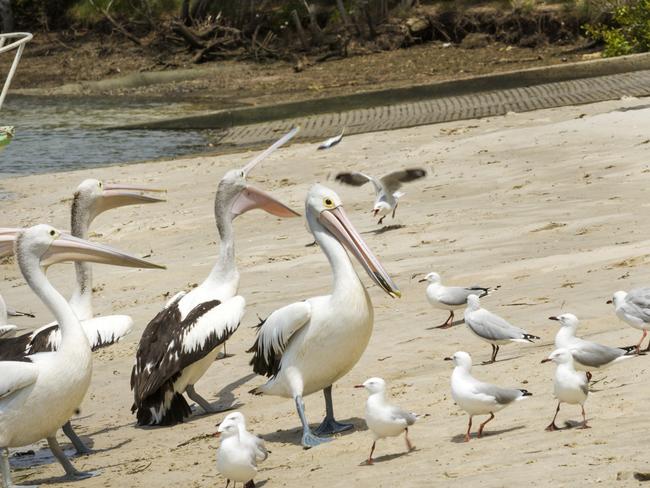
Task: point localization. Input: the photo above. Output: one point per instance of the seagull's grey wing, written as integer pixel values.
(397, 414)
(503, 396)
(595, 355)
(639, 298)
(393, 181)
(355, 178)
(261, 453)
(492, 327)
(454, 295)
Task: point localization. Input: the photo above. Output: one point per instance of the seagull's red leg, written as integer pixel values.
(370, 461)
(480, 429)
(409, 446)
(584, 419)
(638, 346)
(551, 427)
(469, 427)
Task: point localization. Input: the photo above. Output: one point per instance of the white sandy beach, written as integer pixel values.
(551, 205)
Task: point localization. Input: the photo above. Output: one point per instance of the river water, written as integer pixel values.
(65, 133)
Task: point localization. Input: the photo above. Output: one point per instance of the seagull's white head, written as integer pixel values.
(236, 417)
(618, 298)
(92, 197)
(560, 356)
(325, 214)
(381, 208)
(461, 359)
(373, 385)
(473, 302)
(228, 428)
(431, 278)
(567, 320)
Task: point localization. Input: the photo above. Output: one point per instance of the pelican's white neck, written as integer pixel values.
(81, 300)
(225, 269)
(72, 335)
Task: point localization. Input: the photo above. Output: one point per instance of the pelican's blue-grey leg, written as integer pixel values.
(329, 424)
(308, 438)
(78, 444)
(71, 472)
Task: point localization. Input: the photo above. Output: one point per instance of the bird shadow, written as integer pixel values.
(487, 363)
(460, 438)
(384, 229)
(571, 424)
(453, 324)
(46, 481)
(388, 457)
(294, 436)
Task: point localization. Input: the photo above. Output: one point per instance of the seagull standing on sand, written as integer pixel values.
(633, 308)
(476, 397)
(587, 355)
(182, 341)
(449, 298)
(384, 419)
(492, 328)
(570, 386)
(251, 440)
(307, 346)
(236, 458)
(386, 187)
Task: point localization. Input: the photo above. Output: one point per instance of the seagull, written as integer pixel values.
(7, 330)
(633, 308)
(40, 392)
(476, 397)
(91, 198)
(332, 141)
(181, 342)
(492, 328)
(386, 188)
(256, 444)
(384, 419)
(236, 458)
(570, 386)
(587, 355)
(449, 297)
(306, 346)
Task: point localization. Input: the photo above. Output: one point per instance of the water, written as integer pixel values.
(59, 134)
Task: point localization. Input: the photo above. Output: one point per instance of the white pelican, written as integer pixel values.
(39, 393)
(633, 308)
(91, 198)
(384, 419)
(587, 355)
(477, 397)
(306, 346)
(449, 298)
(386, 187)
(491, 328)
(181, 342)
(569, 386)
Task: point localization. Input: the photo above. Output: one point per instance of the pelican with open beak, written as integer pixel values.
(307, 346)
(39, 393)
(182, 341)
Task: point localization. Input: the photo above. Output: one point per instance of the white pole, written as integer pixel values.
(23, 38)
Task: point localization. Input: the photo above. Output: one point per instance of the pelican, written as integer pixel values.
(386, 187)
(39, 393)
(92, 197)
(306, 346)
(182, 341)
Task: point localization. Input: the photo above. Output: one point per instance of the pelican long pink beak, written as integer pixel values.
(250, 198)
(69, 248)
(119, 195)
(337, 222)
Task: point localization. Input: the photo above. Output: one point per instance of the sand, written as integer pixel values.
(551, 205)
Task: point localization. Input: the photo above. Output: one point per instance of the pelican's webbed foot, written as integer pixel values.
(330, 426)
(310, 440)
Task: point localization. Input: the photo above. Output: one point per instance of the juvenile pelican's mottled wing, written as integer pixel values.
(489, 326)
(358, 179)
(16, 375)
(595, 355)
(639, 298)
(169, 344)
(274, 335)
(393, 181)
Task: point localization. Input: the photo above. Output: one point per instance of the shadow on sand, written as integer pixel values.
(460, 438)
(294, 436)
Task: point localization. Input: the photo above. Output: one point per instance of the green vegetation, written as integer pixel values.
(628, 33)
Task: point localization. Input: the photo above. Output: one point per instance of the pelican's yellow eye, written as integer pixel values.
(328, 203)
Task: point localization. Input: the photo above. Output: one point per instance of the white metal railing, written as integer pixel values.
(21, 38)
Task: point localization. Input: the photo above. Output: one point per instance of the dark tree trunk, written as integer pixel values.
(7, 16)
(185, 13)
